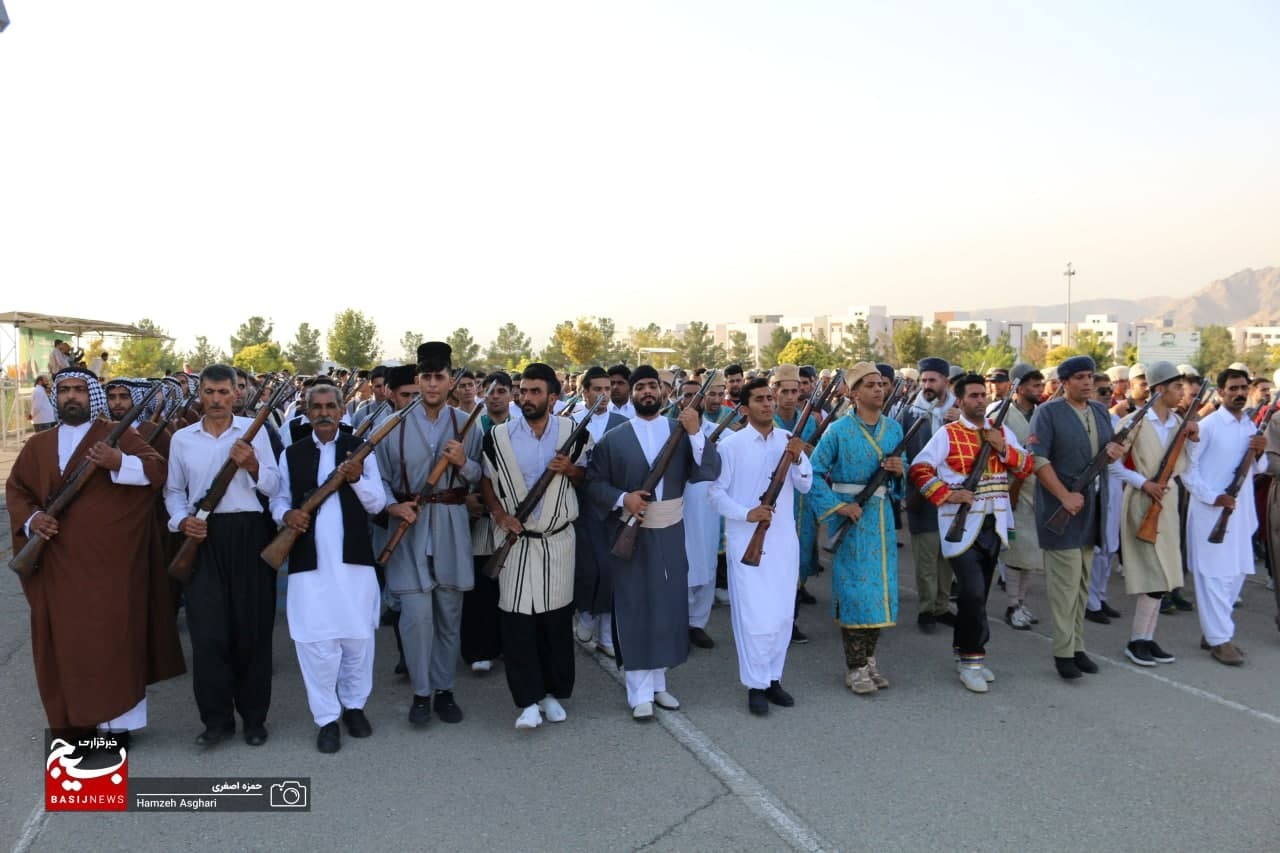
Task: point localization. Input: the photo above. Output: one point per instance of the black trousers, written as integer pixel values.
(231, 612)
(973, 570)
(537, 651)
(481, 629)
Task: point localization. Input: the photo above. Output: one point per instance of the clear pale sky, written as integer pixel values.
(444, 164)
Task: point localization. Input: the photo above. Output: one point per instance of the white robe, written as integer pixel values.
(762, 598)
(1213, 462)
(701, 528)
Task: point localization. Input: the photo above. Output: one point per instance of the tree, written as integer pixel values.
(858, 347)
(553, 353)
(1258, 359)
(770, 353)
(967, 346)
(255, 330)
(909, 342)
(1035, 350)
(353, 340)
(1217, 350)
(146, 356)
(650, 337)
(409, 343)
(1095, 346)
(577, 344)
(740, 351)
(614, 350)
(204, 355)
(1128, 355)
(465, 349)
(804, 351)
(998, 354)
(697, 347)
(262, 358)
(304, 352)
(510, 348)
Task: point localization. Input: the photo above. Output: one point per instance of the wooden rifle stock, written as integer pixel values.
(278, 550)
(1059, 520)
(755, 548)
(625, 545)
(532, 498)
(736, 416)
(1219, 531)
(1150, 526)
(433, 477)
(873, 484)
(25, 561)
(367, 423)
(955, 532)
(183, 562)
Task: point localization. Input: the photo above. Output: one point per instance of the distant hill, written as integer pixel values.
(1249, 297)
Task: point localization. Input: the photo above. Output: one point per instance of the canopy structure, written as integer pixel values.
(70, 325)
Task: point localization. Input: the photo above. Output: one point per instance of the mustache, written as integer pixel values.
(324, 420)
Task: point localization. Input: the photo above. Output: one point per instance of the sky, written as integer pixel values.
(445, 164)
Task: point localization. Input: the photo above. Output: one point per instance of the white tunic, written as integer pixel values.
(701, 527)
(336, 601)
(1213, 462)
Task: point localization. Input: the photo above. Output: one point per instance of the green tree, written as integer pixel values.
(409, 343)
(353, 340)
(465, 349)
(553, 353)
(304, 352)
(649, 337)
(967, 347)
(146, 356)
(1095, 346)
(255, 330)
(1258, 359)
(740, 351)
(581, 342)
(1217, 350)
(998, 354)
(510, 348)
(262, 358)
(615, 349)
(771, 353)
(697, 347)
(909, 342)
(204, 355)
(1128, 355)
(804, 351)
(939, 342)
(1035, 350)
(858, 346)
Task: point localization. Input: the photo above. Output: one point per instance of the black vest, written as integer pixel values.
(304, 467)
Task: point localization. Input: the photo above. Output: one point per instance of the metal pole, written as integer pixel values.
(1070, 274)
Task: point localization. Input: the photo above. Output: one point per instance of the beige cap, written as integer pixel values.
(785, 373)
(859, 372)
(1118, 373)
(1137, 370)
(909, 373)
(1238, 365)
(667, 376)
(1188, 371)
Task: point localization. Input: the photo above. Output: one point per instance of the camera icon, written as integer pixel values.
(288, 794)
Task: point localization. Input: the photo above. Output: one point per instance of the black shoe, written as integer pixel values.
(401, 669)
(1137, 652)
(798, 637)
(357, 723)
(1158, 654)
(701, 639)
(757, 703)
(927, 623)
(1085, 663)
(420, 710)
(255, 735)
(447, 709)
(1167, 606)
(805, 597)
(213, 735)
(775, 694)
(945, 618)
(1067, 668)
(329, 740)
(1097, 616)
(1181, 603)
(1110, 611)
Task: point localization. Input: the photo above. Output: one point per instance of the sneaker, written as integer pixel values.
(757, 702)
(879, 680)
(1031, 617)
(1109, 610)
(530, 718)
(776, 695)
(552, 709)
(446, 708)
(798, 637)
(1085, 663)
(584, 629)
(420, 710)
(1158, 654)
(1016, 618)
(356, 722)
(971, 677)
(481, 666)
(1138, 652)
(859, 681)
(1167, 606)
(1067, 668)
(1180, 601)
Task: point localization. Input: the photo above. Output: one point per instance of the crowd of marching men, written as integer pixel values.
(506, 517)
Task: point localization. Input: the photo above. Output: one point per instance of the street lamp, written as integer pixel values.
(1070, 274)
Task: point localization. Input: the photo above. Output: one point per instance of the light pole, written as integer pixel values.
(1070, 274)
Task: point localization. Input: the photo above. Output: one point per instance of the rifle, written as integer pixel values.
(183, 562)
(539, 489)
(25, 561)
(834, 416)
(894, 396)
(755, 548)
(433, 477)
(625, 545)
(955, 532)
(367, 423)
(873, 485)
(1164, 472)
(735, 416)
(156, 422)
(278, 551)
(1059, 520)
(1219, 531)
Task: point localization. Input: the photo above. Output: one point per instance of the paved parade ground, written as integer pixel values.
(1182, 757)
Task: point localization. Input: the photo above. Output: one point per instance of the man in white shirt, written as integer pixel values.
(620, 391)
(43, 414)
(231, 598)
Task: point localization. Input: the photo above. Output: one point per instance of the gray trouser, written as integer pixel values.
(430, 628)
(933, 574)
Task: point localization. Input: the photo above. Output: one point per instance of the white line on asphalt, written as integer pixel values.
(754, 795)
(31, 829)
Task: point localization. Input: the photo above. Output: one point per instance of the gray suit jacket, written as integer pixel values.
(1058, 436)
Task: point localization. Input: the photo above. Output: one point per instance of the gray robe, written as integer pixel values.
(1058, 436)
(592, 585)
(651, 590)
(447, 526)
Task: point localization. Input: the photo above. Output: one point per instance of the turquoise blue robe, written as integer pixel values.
(864, 575)
(806, 523)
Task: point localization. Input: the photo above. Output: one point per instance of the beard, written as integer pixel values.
(649, 406)
(929, 394)
(118, 416)
(73, 413)
(532, 412)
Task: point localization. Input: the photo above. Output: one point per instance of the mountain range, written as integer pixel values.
(1247, 298)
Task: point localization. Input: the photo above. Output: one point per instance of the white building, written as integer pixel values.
(1250, 337)
(1053, 334)
(1109, 329)
(758, 329)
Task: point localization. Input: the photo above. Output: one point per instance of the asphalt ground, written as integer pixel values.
(1182, 757)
